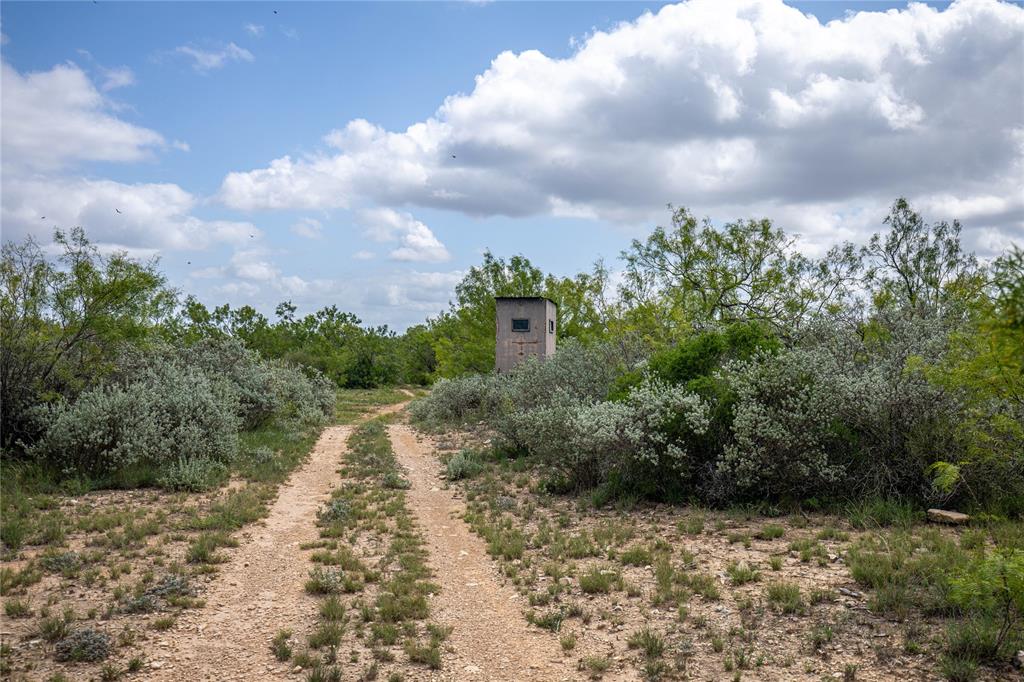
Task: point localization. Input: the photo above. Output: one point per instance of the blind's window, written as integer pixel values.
(520, 325)
(551, 326)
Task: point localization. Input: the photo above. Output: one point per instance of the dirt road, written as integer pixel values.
(490, 637)
(261, 588)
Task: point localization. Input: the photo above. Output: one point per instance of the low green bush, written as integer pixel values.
(159, 416)
(193, 475)
(177, 411)
(463, 464)
(84, 645)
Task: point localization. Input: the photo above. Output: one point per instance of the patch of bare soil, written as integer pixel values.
(490, 639)
(261, 590)
(99, 547)
(672, 592)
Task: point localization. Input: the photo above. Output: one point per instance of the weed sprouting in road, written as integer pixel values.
(367, 516)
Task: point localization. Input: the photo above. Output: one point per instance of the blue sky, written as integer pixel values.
(209, 126)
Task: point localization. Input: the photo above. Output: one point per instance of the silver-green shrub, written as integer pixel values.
(845, 408)
(642, 441)
(577, 372)
(458, 401)
(162, 414)
(260, 389)
(192, 475)
(251, 379)
(85, 645)
(463, 464)
(308, 400)
(261, 455)
(903, 422)
(586, 373)
(787, 439)
(847, 411)
(534, 400)
(335, 510)
(178, 410)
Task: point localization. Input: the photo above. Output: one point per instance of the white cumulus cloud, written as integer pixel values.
(58, 117)
(55, 120)
(717, 105)
(119, 77)
(152, 215)
(416, 241)
(310, 228)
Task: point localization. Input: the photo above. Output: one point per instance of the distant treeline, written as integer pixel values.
(910, 310)
(104, 379)
(727, 367)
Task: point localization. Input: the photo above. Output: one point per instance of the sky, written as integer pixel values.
(366, 154)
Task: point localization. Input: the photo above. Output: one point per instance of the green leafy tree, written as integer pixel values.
(373, 358)
(584, 311)
(693, 274)
(464, 335)
(985, 365)
(416, 355)
(919, 266)
(62, 322)
(329, 340)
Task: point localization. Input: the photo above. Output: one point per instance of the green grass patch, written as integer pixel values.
(598, 581)
(354, 403)
(785, 596)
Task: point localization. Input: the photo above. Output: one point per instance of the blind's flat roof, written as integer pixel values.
(525, 298)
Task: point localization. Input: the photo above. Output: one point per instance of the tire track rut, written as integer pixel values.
(261, 589)
(490, 637)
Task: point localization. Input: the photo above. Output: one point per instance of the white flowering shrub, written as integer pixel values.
(787, 437)
(643, 441)
(165, 413)
(646, 440)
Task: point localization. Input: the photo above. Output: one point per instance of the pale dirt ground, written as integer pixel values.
(871, 642)
(261, 590)
(490, 639)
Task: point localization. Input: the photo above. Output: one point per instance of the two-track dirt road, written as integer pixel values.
(260, 590)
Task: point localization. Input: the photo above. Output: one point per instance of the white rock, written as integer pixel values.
(944, 516)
